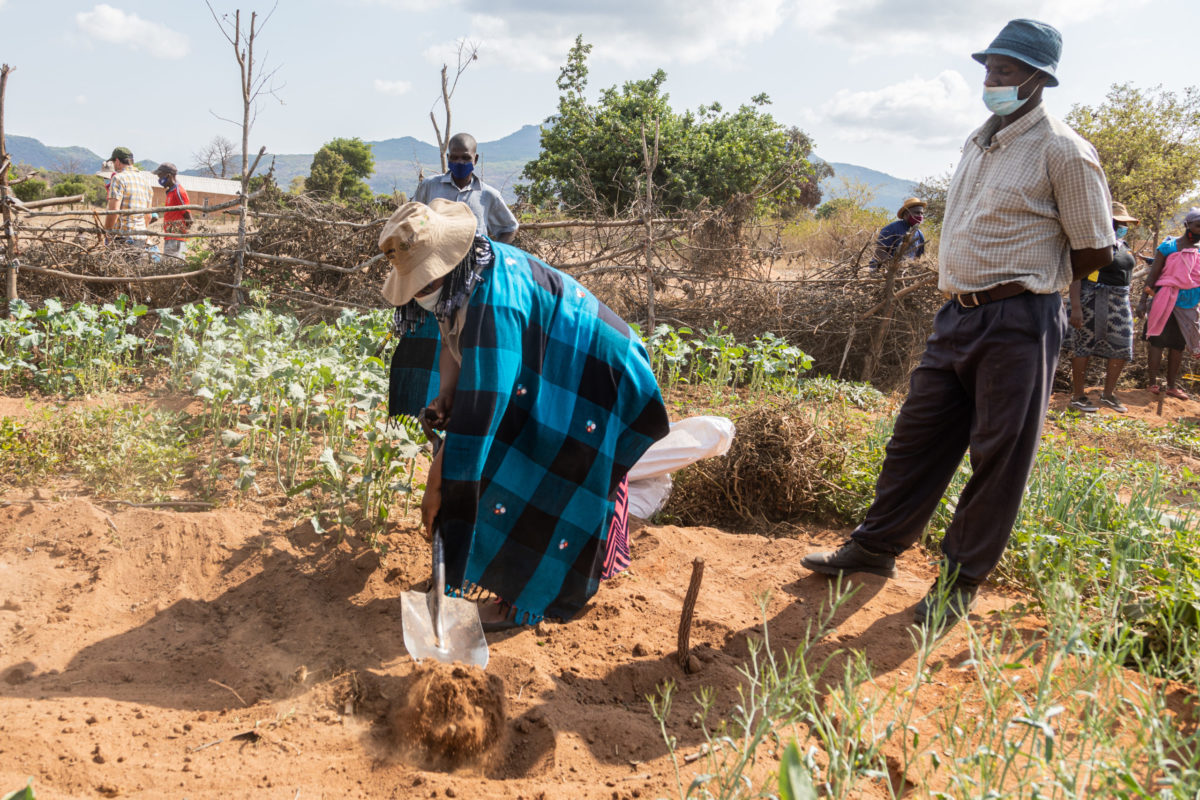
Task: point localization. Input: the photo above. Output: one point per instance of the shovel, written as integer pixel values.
(436, 626)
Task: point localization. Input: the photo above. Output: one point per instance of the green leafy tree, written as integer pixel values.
(339, 170)
(32, 189)
(933, 190)
(830, 208)
(591, 155)
(90, 186)
(1149, 145)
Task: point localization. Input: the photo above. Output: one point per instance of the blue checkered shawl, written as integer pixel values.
(555, 402)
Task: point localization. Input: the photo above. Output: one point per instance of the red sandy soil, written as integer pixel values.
(160, 654)
(136, 645)
(1142, 405)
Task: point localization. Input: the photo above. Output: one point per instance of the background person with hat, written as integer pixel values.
(1028, 211)
(547, 399)
(1102, 320)
(902, 238)
(1172, 289)
(129, 188)
(173, 221)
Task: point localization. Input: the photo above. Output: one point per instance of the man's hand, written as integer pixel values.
(110, 220)
(1076, 317)
(438, 412)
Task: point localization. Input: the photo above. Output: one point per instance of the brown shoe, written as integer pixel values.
(851, 557)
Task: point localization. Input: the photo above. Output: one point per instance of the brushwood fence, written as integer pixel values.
(685, 270)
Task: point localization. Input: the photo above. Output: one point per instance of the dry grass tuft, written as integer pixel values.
(771, 473)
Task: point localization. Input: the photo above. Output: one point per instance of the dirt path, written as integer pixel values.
(161, 654)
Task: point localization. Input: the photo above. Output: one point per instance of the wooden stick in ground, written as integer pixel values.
(10, 239)
(685, 620)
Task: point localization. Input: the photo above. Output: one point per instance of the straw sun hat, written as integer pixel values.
(1121, 214)
(910, 203)
(423, 243)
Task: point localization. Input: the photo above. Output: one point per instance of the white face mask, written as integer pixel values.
(429, 302)
(1003, 100)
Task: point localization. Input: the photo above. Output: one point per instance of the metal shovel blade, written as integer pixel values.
(440, 627)
(461, 636)
(436, 626)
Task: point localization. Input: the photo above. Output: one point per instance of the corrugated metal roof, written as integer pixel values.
(195, 183)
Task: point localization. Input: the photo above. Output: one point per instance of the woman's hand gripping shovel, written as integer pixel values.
(436, 626)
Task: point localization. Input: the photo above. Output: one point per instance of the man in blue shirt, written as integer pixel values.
(460, 184)
(892, 237)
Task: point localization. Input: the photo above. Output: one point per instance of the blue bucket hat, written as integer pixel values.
(1035, 43)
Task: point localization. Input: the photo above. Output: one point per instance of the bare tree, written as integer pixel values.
(216, 158)
(256, 82)
(468, 52)
(69, 165)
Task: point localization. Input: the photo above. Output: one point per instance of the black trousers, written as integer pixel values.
(984, 382)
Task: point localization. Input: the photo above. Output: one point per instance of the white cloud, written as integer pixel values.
(80, 99)
(406, 5)
(395, 88)
(934, 112)
(536, 34)
(114, 26)
(875, 27)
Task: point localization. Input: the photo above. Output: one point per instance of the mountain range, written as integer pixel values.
(399, 161)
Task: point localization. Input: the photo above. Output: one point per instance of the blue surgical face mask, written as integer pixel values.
(1003, 100)
(1122, 230)
(460, 170)
(163, 182)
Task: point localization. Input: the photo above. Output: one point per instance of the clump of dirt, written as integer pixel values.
(451, 716)
(772, 471)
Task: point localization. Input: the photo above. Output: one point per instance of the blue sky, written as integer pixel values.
(887, 85)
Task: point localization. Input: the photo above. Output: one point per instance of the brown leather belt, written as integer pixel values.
(1001, 292)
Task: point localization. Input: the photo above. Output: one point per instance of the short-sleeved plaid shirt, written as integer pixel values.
(1021, 199)
(132, 189)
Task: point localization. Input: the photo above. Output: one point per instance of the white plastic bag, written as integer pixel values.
(648, 496)
(689, 441)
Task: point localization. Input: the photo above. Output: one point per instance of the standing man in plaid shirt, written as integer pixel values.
(129, 188)
(173, 221)
(1027, 212)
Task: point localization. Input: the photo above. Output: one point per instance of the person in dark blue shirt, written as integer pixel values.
(893, 237)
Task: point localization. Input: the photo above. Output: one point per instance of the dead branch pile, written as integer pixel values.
(772, 472)
(852, 323)
(307, 229)
(83, 255)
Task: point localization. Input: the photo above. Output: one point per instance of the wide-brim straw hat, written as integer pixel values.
(1121, 214)
(911, 202)
(423, 243)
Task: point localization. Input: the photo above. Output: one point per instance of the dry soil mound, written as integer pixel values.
(451, 714)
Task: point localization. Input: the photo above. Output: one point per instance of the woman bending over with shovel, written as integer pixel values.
(547, 400)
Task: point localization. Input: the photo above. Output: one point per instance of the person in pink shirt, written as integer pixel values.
(1173, 323)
